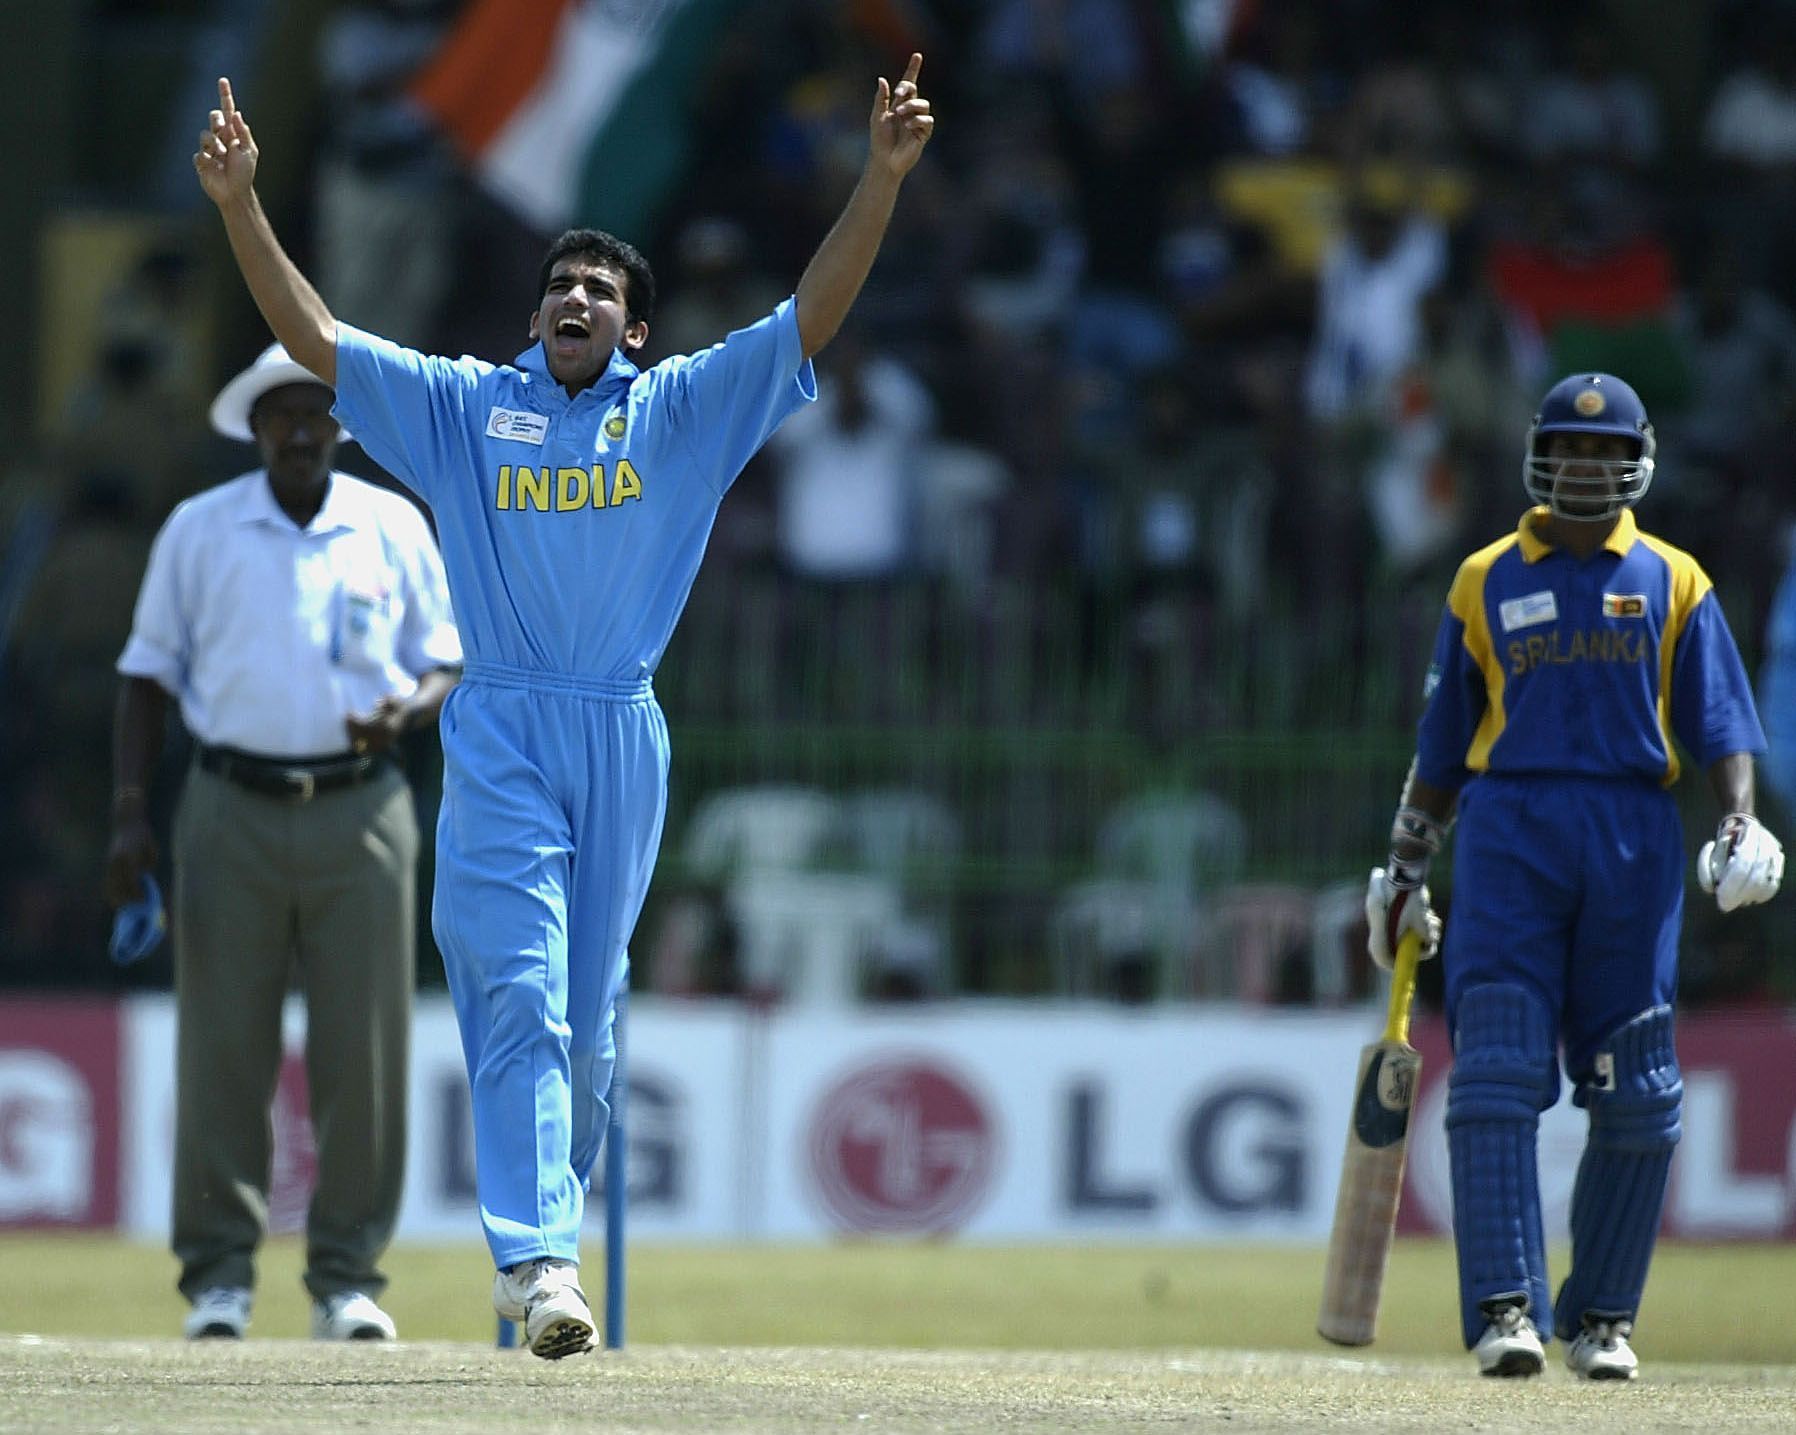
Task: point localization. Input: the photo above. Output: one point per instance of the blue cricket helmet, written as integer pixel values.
(1589, 490)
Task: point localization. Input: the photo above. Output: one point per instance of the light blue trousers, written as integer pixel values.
(554, 793)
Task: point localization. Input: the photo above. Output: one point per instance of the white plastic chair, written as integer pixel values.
(1157, 858)
(899, 831)
(1182, 842)
(911, 839)
(1338, 940)
(1252, 928)
(773, 828)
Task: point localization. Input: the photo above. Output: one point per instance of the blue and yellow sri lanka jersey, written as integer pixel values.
(1549, 665)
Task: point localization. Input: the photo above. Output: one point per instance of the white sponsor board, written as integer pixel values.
(998, 1123)
(1033, 1123)
(47, 1138)
(982, 1121)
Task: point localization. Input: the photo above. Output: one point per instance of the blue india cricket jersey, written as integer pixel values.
(572, 529)
(1546, 665)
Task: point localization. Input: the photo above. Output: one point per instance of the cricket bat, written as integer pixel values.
(1359, 1247)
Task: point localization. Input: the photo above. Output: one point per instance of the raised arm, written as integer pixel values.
(899, 128)
(226, 165)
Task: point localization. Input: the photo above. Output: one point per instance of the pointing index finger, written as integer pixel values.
(910, 70)
(225, 100)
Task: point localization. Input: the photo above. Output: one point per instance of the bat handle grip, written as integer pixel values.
(1403, 987)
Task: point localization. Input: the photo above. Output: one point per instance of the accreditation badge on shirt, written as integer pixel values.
(518, 425)
(362, 627)
(1528, 611)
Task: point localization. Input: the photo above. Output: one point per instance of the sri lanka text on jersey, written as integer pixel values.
(1600, 645)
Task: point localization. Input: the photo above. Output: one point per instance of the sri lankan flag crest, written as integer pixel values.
(1624, 605)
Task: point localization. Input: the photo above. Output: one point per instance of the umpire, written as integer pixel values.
(301, 619)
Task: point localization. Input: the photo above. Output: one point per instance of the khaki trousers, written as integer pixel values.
(270, 894)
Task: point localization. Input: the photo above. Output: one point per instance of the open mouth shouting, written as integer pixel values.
(572, 336)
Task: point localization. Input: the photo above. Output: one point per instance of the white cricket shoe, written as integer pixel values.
(1510, 1345)
(546, 1296)
(350, 1315)
(219, 1313)
(1601, 1351)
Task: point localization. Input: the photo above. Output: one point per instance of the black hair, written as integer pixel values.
(639, 279)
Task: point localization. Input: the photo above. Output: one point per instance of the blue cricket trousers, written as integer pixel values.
(1572, 887)
(554, 793)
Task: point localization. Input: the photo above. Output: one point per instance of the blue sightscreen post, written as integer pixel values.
(508, 1333)
(616, 1181)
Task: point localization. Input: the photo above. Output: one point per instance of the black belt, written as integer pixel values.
(296, 779)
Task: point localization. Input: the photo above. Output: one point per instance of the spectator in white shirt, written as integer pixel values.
(1752, 121)
(848, 489)
(300, 618)
(1374, 278)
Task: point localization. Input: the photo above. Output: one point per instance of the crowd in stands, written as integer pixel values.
(1212, 329)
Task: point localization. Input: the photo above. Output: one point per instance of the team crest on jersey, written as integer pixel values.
(1624, 605)
(1590, 403)
(614, 427)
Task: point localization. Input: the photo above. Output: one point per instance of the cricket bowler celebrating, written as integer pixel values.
(574, 494)
(1570, 654)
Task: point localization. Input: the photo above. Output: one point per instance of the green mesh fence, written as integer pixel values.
(1038, 719)
(1033, 716)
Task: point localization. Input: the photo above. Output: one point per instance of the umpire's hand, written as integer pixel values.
(130, 854)
(380, 729)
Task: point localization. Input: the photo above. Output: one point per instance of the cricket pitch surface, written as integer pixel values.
(63, 1384)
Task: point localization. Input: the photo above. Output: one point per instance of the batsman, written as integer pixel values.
(574, 493)
(1570, 655)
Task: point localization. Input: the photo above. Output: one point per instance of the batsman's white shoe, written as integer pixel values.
(350, 1315)
(1601, 1351)
(1510, 1345)
(220, 1313)
(546, 1296)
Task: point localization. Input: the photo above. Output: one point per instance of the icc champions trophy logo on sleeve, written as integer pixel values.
(902, 1147)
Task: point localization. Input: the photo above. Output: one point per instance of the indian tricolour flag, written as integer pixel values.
(573, 111)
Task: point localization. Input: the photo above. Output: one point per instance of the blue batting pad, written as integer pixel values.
(138, 928)
(1635, 1101)
(1504, 1075)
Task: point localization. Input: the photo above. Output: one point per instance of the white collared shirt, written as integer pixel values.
(270, 635)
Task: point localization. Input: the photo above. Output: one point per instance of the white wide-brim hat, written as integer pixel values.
(273, 369)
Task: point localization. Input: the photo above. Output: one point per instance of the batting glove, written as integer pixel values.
(1743, 866)
(1397, 902)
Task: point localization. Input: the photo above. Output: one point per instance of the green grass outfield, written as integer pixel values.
(1734, 1303)
(879, 1336)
